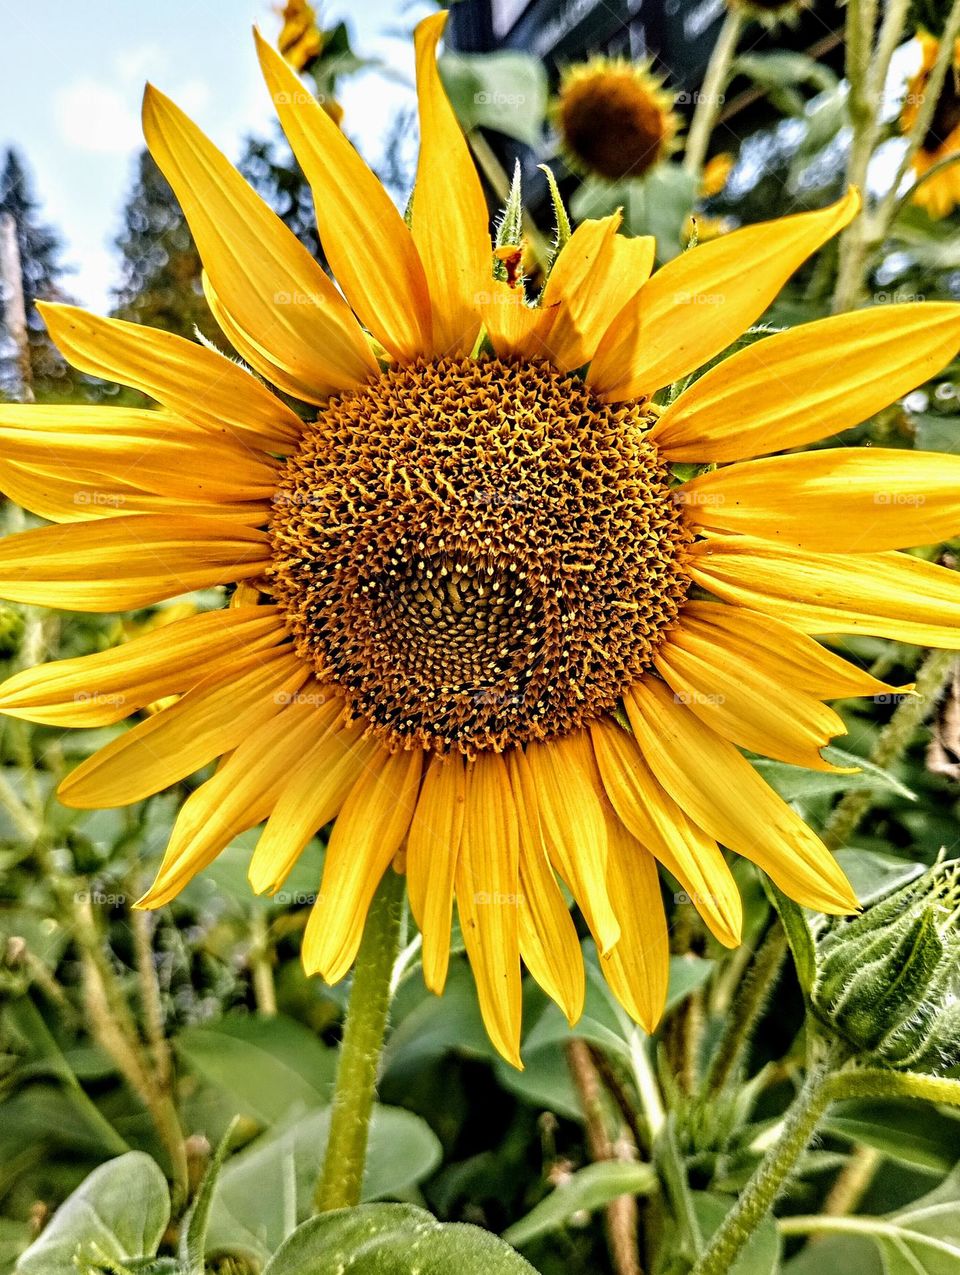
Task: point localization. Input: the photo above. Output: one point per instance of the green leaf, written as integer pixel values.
(393, 1239)
(783, 70)
(504, 91)
(799, 935)
(910, 1132)
(266, 1190)
(874, 875)
(936, 433)
(265, 1065)
(793, 783)
(120, 1212)
(586, 1191)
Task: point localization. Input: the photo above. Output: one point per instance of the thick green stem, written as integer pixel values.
(875, 1082)
(363, 1036)
(710, 98)
(761, 1192)
(891, 742)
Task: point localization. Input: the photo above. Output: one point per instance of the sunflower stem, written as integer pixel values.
(891, 742)
(710, 99)
(749, 1003)
(761, 1192)
(364, 1030)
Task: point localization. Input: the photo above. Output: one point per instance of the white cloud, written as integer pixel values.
(95, 117)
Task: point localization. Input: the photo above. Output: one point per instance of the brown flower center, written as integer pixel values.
(613, 124)
(478, 553)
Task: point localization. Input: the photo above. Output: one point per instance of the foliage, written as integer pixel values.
(132, 1045)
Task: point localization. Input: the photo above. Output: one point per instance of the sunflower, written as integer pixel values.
(300, 39)
(940, 194)
(614, 118)
(476, 621)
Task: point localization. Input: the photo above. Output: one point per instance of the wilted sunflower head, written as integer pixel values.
(939, 194)
(614, 118)
(475, 619)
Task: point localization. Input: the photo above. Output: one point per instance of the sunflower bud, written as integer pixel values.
(887, 982)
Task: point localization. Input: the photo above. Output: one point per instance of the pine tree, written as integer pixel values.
(161, 268)
(41, 272)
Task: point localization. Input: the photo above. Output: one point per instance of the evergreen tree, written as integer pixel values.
(41, 271)
(161, 267)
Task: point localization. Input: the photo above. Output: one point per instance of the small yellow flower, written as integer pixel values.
(614, 117)
(716, 173)
(300, 40)
(479, 626)
(939, 194)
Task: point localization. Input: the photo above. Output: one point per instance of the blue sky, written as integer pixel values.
(72, 75)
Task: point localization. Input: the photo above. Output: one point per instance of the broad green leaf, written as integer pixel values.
(266, 1065)
(120, 1211)
(782, 69)
(799, 934)
(657, 205)
(912, 1132)
(935, 433)
(585, 1191)
(793, 783)
(393, 1239)
(266, 1190)
(506, 91)
(874, 875)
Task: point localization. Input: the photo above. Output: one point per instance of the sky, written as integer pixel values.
(72, 76)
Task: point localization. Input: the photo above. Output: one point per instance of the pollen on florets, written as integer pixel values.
(479, 553)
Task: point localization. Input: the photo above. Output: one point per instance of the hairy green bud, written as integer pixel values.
(887, 982)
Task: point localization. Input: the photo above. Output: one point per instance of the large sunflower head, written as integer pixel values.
(939, 194)
(475, 621)
(614, 117)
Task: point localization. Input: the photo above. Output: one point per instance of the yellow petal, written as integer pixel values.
(205, 387)
(808, 383)
(721, 791)
(151, 459)
(263, 276)
(638, 967)
(510, 323)
(210, 720)
(741, 701)
(116, 564)
(239, 796)
(574, 827)
(888, 595)
(84, 495)
(313, 795)
(704, 299)
(97, 690)
(449, 217)
(786, 654)
(432, 849)
(548, 937)
(367, 834)
(658, 823)
(488, 887)
(843, 499)
(368, 246)
(594, 276)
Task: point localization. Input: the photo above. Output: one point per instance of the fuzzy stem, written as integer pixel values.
(748, 1004)
(876, 1082)
(892, 740)
(708, 101)
(761, 1192)
(363, 1036)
